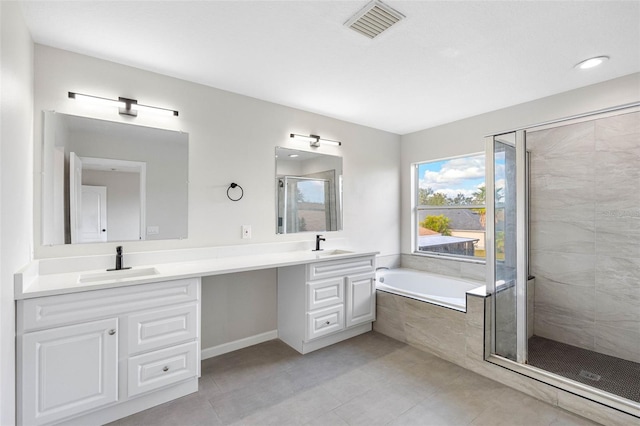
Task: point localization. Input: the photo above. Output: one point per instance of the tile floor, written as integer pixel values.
(611, 374)
(367, 380)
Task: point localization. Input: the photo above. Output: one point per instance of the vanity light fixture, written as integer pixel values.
(314, 140)
(126, 106)
(591, 62)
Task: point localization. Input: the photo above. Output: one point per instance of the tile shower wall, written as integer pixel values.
(585, 234)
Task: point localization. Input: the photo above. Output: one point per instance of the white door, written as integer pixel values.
(69, 370)
(94, 214)
(361, 299)
(75, 196)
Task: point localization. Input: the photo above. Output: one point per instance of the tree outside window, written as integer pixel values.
(450, 206)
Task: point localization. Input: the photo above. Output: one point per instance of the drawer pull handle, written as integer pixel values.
(165, 368)
(328, 323)
(112, 332)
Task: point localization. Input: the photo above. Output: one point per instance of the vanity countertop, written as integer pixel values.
(31, 282)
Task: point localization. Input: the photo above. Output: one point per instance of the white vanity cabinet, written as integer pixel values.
(95, 356)
(324, 302)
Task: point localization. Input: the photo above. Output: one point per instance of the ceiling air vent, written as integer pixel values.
(373, 19)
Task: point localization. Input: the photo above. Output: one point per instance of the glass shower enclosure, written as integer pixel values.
(507, 244)
(564, 197)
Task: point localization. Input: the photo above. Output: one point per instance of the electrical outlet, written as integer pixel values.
(246, 231)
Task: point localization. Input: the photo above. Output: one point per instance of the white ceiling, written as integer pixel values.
(445, 61)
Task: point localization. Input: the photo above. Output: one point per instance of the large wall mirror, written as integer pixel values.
(105, 181)
(308, 191)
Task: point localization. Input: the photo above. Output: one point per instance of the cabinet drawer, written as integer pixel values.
(321, 294)
(162, 327)
(51, 311)
(335, 268)
(161, 368)
(325, 321)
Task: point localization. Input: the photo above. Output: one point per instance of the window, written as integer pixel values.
(450, 207)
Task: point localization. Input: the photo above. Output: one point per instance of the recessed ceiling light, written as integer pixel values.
(591, 62)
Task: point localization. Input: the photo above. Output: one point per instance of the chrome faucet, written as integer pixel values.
(118, 260)
(318, 239)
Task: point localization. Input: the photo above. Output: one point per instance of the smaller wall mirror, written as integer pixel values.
(308, 191)
(105, 181)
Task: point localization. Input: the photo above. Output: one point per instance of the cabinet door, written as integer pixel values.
(68, 370)
(361, 299)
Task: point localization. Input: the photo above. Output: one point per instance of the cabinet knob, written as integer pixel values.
(328, 322)
(165, 368)
(112, 332)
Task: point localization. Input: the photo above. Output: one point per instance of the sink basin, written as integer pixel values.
(116, 275)
(333, 252)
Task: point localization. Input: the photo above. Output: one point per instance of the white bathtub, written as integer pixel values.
(432, 288)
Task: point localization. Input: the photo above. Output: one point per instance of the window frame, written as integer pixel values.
(417, 208)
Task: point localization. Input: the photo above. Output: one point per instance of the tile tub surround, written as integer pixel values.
(584, 233)
(368, 380)
(441, 266)
(425, 326)
(461, 337)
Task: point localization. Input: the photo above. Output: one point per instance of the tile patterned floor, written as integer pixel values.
(608, 373)
(367, 380)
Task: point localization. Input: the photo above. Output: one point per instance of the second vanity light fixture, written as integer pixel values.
(126, 106)
(314, 140)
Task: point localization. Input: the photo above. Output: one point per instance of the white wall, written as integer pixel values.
(16, 178)
(231, 139)
(240, 305)
(467, 136)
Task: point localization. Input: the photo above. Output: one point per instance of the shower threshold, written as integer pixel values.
(607, 373)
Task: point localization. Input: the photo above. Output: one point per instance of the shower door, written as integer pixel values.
(304, 205)
(506, 254)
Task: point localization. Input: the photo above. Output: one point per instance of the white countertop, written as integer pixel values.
(31, 282)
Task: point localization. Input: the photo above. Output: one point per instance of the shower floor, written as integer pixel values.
(608, 373)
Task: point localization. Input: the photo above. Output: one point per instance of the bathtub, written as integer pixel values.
(427, 287)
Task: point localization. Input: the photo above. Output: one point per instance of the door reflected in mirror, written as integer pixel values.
(105, 181)
(308, 191)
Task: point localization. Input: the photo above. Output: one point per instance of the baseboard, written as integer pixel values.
(134, 405)
(238, 344)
